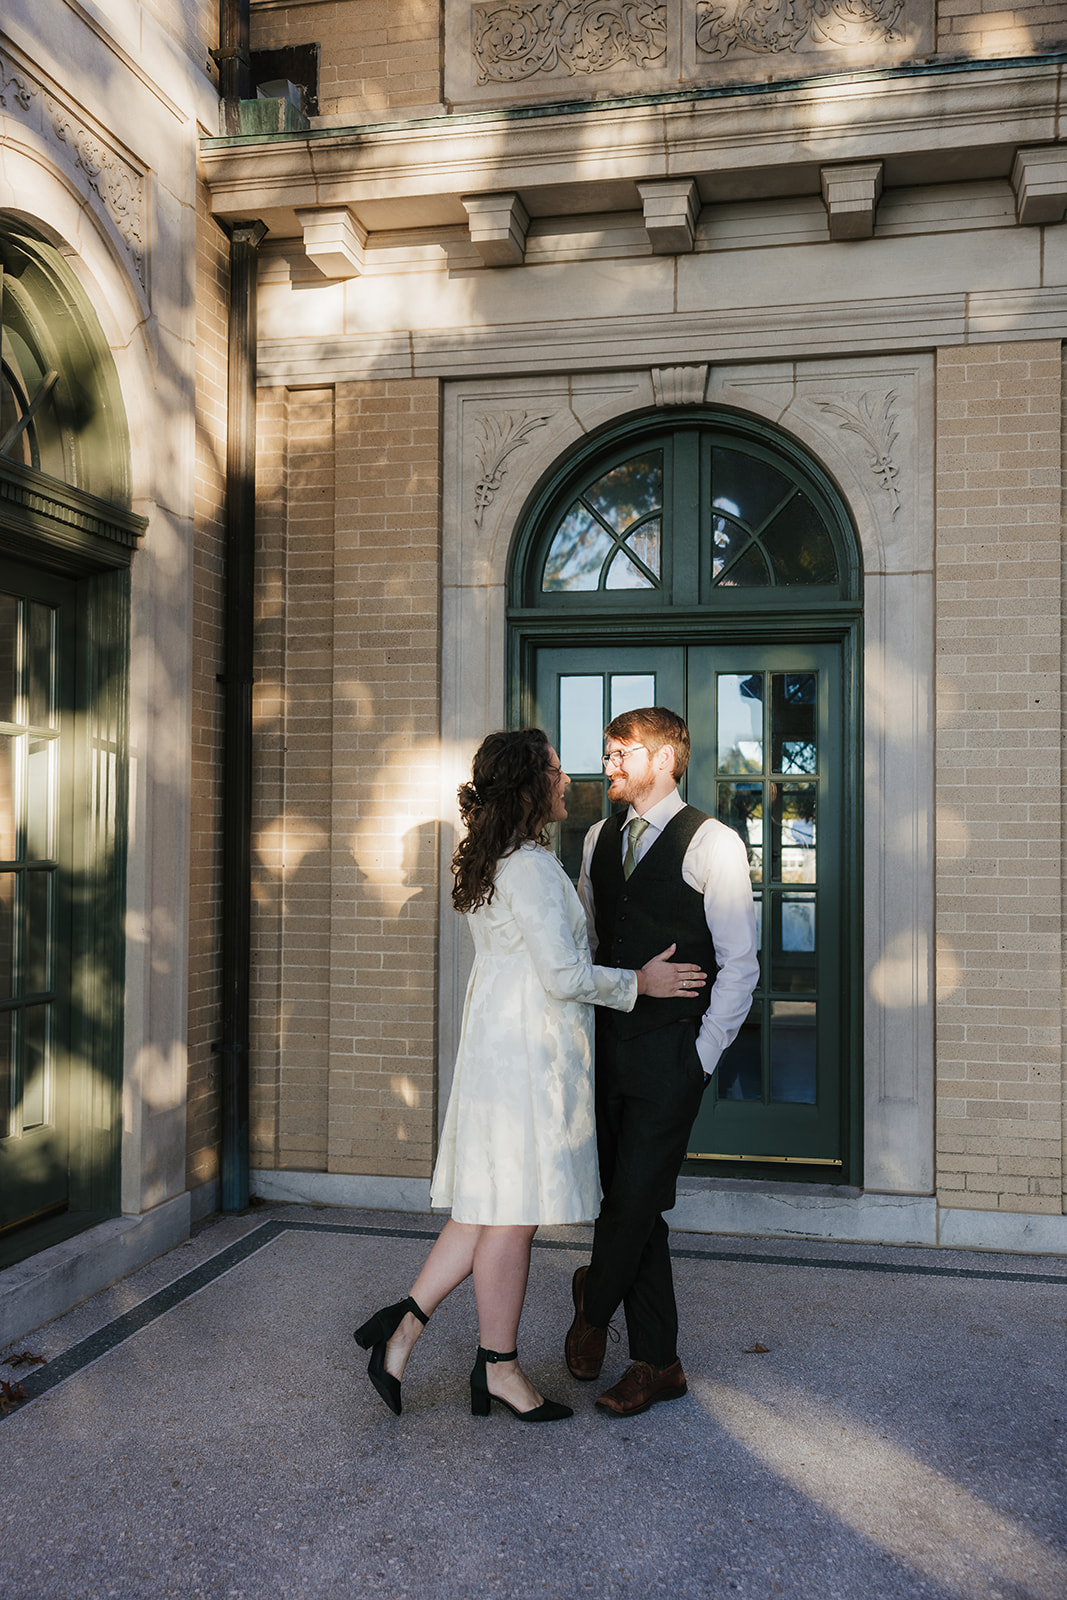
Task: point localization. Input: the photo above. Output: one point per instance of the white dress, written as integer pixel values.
(519, 1139)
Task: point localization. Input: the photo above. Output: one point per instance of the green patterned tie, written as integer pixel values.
(637, 827)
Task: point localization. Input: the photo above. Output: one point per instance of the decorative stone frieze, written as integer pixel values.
(512, 43)
(851, 193)
(113, 184)
(1039, 178)
(498, 225)
(671, 208)
(334, 240)
(774, 27)
(500, 50)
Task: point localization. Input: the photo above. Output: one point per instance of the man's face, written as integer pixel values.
(630, 771)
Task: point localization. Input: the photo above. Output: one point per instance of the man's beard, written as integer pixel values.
(636, 789)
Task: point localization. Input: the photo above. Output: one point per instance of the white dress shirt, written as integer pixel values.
(716, 865)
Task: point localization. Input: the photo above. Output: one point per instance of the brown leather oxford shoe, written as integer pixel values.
(585, 1345)
(642, 1386)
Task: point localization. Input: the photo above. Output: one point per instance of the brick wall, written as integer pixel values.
(344, 1042)
(999, 1078)
(989, 29)
(212, 294)
(378, 58)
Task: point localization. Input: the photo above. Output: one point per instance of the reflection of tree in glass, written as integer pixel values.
(629, 491)
(589, 535)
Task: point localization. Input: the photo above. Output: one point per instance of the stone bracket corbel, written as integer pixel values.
(1039, 178)
(671, 207)
(498, 226)
(335, 240)
(851, 193)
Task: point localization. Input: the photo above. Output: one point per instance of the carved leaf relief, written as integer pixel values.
(770, 26)
(874, 420)
(514, 42)
(498, 438)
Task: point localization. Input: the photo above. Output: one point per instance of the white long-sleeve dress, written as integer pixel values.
(519, 1138)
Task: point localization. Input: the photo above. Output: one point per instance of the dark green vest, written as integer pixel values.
(638, 917)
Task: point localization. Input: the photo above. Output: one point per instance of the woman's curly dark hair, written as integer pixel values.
(508, 801)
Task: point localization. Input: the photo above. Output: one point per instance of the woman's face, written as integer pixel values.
(559, 780)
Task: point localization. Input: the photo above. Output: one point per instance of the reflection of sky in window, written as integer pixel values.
(578, 552)
(581, 722)
(631, 690)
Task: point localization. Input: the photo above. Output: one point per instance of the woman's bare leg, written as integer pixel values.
(501, 1269)
(449, 1262)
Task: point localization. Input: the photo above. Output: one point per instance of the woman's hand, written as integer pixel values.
(664, 979)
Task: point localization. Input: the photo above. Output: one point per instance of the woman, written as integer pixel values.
(519, 1142)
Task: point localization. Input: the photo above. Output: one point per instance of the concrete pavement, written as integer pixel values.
(862, 1421)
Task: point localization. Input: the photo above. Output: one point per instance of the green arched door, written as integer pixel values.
(710, 567)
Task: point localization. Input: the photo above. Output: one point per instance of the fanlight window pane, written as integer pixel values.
(746, 486)
(611, 537)
(578, 552)
(629, 492)
(799, 545)
(625, 574)
(749, 573)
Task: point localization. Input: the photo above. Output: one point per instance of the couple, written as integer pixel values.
(522, 1143)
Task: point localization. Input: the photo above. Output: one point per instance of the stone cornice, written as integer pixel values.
(756, 333)
(925, 126)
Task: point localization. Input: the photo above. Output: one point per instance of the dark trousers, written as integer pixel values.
(648, 1091)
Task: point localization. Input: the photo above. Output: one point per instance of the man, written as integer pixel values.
(663, 873)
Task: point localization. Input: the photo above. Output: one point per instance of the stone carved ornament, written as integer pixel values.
(770, 26)
(117, 185)
(499, 437)
(874, 420)
(512, 42)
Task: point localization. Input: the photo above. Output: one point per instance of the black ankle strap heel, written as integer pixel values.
(374, 1335)
(481, 1399)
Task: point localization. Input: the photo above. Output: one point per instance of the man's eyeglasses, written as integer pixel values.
(618, 758)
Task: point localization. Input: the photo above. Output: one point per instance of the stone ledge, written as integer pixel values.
(342, 1189)
(52, 1282)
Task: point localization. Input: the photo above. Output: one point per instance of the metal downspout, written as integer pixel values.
(238, 624)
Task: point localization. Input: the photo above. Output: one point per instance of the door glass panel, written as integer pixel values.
(8, 884)
(581, 723)
(34, 1029)
(793, 1051)
(39, 799)
(793, 833)
(740, 807)
(577, 553)
(740, 709)
(9, 642)
(630, 491)
(629, 691)
(739, 1075)
(584, 807)
(793, 722)
(793, 959)
(8, 797)
(40, 663)
(37, 945)
(6, 1074)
